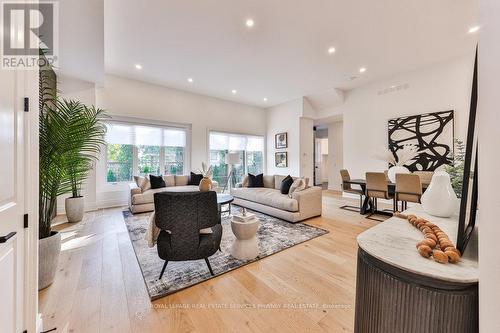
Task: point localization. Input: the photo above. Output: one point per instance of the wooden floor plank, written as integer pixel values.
(310, 287)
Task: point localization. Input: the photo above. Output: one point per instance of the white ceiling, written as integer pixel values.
(284, 56)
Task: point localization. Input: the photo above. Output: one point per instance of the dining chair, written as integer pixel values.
(377, 187)
(425, 176)
(346, 187)
(408, 189)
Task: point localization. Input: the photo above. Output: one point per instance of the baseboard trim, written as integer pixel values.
(112, 203)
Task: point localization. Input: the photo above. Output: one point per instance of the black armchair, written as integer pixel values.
(181, 216)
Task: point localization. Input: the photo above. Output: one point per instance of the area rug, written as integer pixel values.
(274, 235)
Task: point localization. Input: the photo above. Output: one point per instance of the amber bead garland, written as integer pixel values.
(436, 242)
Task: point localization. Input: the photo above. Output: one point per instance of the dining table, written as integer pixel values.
(367, 203)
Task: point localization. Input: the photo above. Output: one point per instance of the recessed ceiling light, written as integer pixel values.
(265, 99)
(473, 29)
(362, 69)
(190, 79)
(234, 91)
(331, 50)
(138, 66)
(250, 23)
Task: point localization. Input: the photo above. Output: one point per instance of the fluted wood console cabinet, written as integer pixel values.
(398, 291)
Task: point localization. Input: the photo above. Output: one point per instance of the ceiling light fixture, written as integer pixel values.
(249, 23)
(190, 79)
(473, 29)
(234, 91)
(138, 66)
(265, 99)
(362, 69)
(331, 50)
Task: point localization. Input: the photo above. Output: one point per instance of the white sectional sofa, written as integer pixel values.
(142, 200)
(297, 207)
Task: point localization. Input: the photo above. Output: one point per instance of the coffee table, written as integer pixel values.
(224, 199)
(245, 246)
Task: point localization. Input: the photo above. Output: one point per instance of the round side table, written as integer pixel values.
(245, 246)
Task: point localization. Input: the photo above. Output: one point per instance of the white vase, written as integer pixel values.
(391, 173)
(74, 209)
(49, 249)
(439, 199)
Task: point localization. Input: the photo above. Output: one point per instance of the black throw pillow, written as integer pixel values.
(255, 181)
(195, 179)
(156, 181)
(285, 184)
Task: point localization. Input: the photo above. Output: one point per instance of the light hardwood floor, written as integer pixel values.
(310, 287)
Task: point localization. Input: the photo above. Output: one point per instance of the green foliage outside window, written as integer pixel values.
(456, 169)
(119, 162)
(174, 160)
(148, 160)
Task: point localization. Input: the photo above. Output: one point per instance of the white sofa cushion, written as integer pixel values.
(268, 181)
(266, 196)
(169, 180)
(181, 180)
(148, 196)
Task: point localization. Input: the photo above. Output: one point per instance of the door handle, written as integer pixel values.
(5, 238)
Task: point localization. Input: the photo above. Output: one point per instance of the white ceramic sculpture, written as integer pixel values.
(439, 199)
(391, 173)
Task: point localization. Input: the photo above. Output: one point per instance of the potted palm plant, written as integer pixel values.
(86, 131)
(69, 139)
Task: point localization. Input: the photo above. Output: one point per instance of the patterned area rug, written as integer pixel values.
(274, 235)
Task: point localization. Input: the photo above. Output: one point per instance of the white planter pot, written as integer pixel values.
(49, 249)
(394, 170)
(439, 199)
(74, 209)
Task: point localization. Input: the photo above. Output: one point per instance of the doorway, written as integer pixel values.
(321, 156)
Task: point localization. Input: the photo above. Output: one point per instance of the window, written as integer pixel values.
(148, 160)
(134, 149)
(244, 153)
(174, 160)
(119, 163)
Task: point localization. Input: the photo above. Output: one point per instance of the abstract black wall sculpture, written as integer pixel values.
(433, 133)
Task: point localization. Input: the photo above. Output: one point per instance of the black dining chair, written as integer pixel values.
(181, 216)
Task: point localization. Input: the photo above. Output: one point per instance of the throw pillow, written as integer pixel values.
(138, 180)
(286, 183)
(142, 182)
(255, 181)
(156, 181)
(195, 179)
(299, 184)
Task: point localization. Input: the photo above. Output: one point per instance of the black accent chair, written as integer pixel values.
(181, 216)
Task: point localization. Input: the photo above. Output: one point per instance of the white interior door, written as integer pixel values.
(12, 191)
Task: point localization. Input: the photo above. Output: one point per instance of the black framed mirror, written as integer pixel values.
(468, 203)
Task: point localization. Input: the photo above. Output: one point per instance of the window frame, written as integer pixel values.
(101, 168)
(245, 157)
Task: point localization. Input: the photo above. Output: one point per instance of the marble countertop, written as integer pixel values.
(394, 241)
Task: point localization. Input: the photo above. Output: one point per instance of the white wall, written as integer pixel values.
(365, 113)
(306, 148)
(335, 155)
(130, 98)
(284, 118)
(489, 159)
(295, 118)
